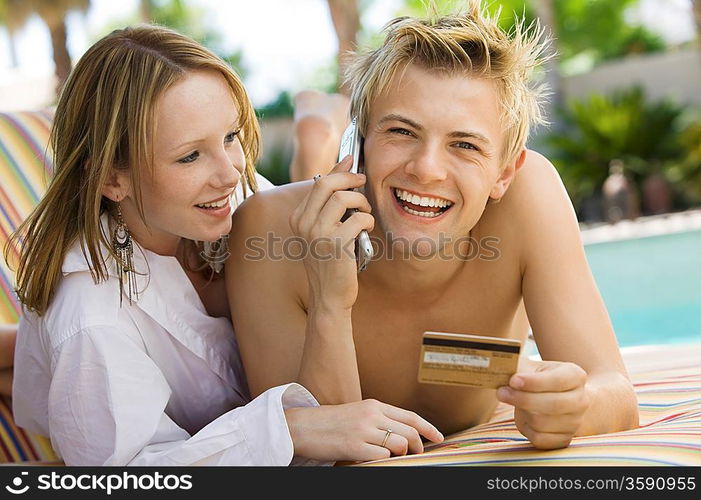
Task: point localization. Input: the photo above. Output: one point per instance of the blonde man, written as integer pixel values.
(475, 235)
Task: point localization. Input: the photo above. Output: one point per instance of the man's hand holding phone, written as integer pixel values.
(320, 220)
(329, 219)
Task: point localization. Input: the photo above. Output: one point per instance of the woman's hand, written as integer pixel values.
(330, 253)
(356, 431)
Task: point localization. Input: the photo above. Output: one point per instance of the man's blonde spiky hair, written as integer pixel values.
(468, 42)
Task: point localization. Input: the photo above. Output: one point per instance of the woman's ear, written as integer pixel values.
(507, 176)
(117, 186)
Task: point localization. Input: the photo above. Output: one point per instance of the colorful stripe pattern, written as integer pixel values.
(25, 167)
(669, 433)
(17, 445)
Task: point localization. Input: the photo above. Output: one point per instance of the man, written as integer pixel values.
(475, 235)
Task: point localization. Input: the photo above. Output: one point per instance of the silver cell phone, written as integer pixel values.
(352, 144)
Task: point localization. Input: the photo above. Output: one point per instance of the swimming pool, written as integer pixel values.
(651, 286)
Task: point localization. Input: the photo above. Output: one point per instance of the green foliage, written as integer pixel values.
(186, 18)
(589, 30)
(280, 106)
(275, 165)
(599, 27)
(510, 11)
(420, 8)
(686, 174)
(638, 40)
(624, 126)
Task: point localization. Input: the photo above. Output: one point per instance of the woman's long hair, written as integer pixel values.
(104, 120)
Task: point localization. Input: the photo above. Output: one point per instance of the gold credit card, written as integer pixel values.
(467, 360)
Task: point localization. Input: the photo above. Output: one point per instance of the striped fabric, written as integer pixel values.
(17, 445)
(24, 171)
(668, 385)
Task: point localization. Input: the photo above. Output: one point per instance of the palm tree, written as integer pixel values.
(13, 15)
(146, 10)
(53, 13)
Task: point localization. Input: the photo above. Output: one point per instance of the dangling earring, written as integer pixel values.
(124, 251)
(215, 253)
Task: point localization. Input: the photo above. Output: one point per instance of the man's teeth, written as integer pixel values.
(424, 201)
(216, 204)
(421, 214)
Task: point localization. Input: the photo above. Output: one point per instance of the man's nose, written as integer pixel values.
(427, 165)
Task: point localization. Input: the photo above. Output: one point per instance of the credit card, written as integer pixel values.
(467, 360)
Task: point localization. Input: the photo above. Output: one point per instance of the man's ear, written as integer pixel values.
(117, 186)
(507, 176)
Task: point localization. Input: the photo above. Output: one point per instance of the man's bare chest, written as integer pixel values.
(388, 334)
(383, 326)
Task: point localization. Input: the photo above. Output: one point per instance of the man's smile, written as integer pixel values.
(421, 205)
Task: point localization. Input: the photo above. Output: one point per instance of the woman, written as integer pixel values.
(125, 353)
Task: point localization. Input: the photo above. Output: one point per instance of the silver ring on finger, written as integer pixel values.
(384, 441)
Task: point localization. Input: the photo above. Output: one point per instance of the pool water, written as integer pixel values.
(651, 286)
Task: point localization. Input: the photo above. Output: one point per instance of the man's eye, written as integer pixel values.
(401, 131)
(467, 145)
(190, 158)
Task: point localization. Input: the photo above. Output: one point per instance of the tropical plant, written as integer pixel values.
(622, 126)
(686, 174)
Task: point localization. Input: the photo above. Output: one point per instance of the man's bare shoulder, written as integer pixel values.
(541, 207)
(269, 210)
(258, 241)
(537, 176)
(537, 193)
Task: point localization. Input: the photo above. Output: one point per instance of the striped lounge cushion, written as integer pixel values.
(25, 167)
(18, 445)
(667, 382)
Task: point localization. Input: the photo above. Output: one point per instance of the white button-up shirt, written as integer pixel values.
(156, 382)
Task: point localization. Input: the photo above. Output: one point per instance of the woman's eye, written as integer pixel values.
(190, 158)
(231, 136)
